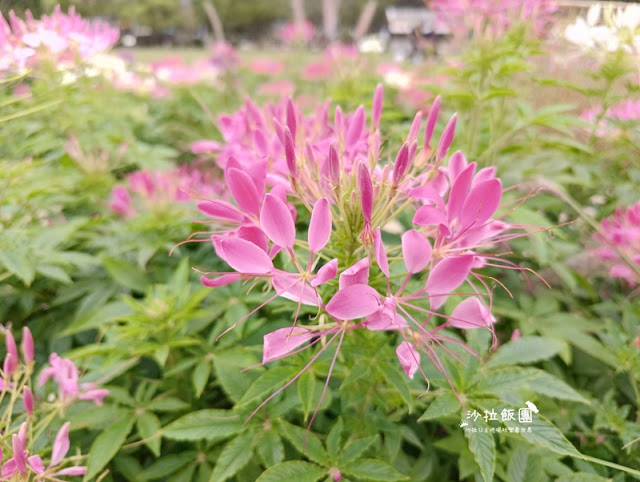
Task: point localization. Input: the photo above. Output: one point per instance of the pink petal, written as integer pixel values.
(19, 453)
(60, 445)
(352, 302)
(292, 287)
(459, 191)
(429, 216)
(9, 469)
(481, 203)
(357, 274)
(280, 342)
(35, 462)
(457, 164)
(326, 273)
(416, 251)
(471, 313)
(291, 118)
(200, 147)
(96, 396)
(76, 470)
(254, 235)
(380, 253)
(409, 358)
(386, 318)
(220, 210)
(277, 222)
(445, 277)
(244, 256)
(320, 225)
(224, 280)
(243, 190)
(427, 193)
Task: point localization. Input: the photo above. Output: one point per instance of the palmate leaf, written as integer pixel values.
(528, 349)
(444, 404)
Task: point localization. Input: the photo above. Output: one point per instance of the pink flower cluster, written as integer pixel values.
(16, 382)
(151, 190)
(620, 239)
(59, 38)
(625, 111)
(284, 168)
(493, 18)
(291, 33)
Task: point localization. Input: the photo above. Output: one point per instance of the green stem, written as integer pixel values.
(612, 465)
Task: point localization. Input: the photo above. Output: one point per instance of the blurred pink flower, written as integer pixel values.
(66, 375)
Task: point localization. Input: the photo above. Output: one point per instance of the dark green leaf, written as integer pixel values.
(235, 455)
(204, 424)
(106, 445)
(295, 471)
(370, 469)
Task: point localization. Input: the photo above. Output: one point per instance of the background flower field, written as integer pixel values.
(254, 263)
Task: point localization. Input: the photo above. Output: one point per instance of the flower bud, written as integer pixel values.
(10, 343)
(27, 345)
(432, 118)
(366, 192)
(290, 153)
(401, 164)
(291, 118)
(415, 127)
(376, 108)
(447, 138)
(27, 398)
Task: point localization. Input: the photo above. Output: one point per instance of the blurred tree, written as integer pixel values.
(20, 6)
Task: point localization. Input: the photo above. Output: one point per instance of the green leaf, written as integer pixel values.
(207, 424)
(106, 445)
(306, 391)
(524, 466)
(126, 274)
(583, 477)
(528, 349)
(355, 449)
(297, 470)
(394, 376)
(167, 465)
(270, 448)
(483, 447)
(267, 383)
(235, 455)
(545, 434)
(333, 439)
(305, 442)
(229, 366)
(370, 469)
(505, 380)
(547, 384)
(55, 273)
(200, 376)
(166, 404)
(19, 263)
(444, 404)
(149, 426)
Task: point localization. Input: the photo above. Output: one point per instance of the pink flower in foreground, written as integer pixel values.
(284, 169)
(620, 239)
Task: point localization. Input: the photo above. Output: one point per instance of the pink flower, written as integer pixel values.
(21, 463)
(619, 237)
(409, 358)
(64, 372)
